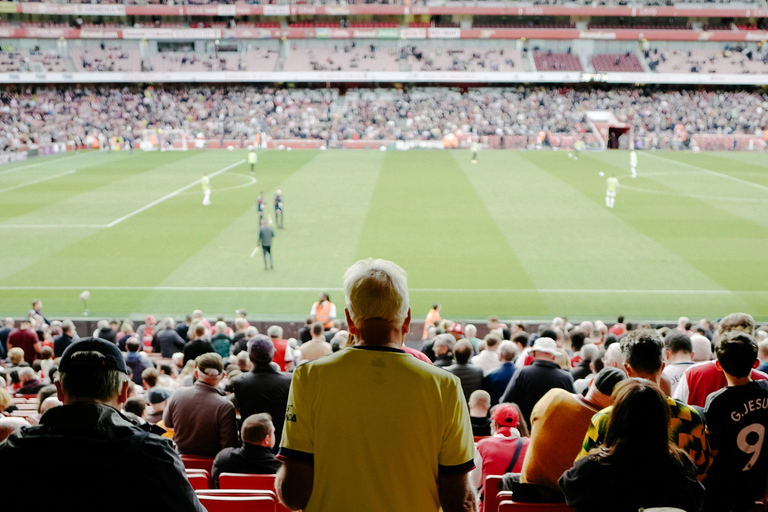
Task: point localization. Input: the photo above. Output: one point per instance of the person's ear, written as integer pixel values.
(755, 364)
(720, 368)
(124, 392)
(627, 369)
(407, 322)
(59, 391)
(350, 323)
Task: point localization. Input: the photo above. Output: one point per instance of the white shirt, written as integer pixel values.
(675, 373)
(486, 360)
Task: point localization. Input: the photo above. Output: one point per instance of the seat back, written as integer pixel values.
(491, 488)
(195, 462)
(511, 506)
(243, 481)
(199, 480)
(237, 503)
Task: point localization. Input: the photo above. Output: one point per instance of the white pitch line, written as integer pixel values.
(45, 161)
(713, 173)
(22, 185)
(416, 290)
(168, 196)
(52, 226)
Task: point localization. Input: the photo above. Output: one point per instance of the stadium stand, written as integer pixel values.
(739, 60)
(616, 62)
(343, 56)
(550, 61)
(106, 59)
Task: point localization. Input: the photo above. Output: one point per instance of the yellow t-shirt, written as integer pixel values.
(252, 158)
(379, 425)
(612, 184)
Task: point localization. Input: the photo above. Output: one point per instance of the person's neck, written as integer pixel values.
(115, 403)
(478, 412)
(377, 332)
(738, 381)
(681, 357)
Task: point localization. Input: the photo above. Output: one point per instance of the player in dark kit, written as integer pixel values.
(279, 208)
(737, 417)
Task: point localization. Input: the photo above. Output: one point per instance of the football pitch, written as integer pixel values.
(520, 234)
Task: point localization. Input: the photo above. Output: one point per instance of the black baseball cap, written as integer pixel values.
(113, 359)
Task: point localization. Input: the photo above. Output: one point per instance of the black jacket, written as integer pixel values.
(98, 449)
(263, 389)
(530, 383)
(168, 342)
(248, 459)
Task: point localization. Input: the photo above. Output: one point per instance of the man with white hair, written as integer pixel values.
(702, 348)
(532, 382)
(443, 348)
(167, 341)
(387, 405)
(283, 351)
(682, 323)
(470, 333)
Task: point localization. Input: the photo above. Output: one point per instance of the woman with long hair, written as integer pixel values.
(637, 466)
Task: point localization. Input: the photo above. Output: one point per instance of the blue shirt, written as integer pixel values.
(495, 383)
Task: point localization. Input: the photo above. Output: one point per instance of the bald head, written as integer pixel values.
(702, 348)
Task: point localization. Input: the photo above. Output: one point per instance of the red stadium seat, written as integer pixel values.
(242, 481)
(237, 503)
(251, 482)
(511, 506)
(195, 462)
(199, 480)
(491, 488)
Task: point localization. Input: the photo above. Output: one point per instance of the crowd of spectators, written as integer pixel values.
(44, 115)
(639, 399)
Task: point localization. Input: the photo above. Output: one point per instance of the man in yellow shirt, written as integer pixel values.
(371, 427)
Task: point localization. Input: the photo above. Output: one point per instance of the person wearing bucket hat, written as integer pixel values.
(504, 451)
(532, 382)
(558, 424)
(88, 435)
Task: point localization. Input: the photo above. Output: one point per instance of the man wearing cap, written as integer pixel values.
(370, 427)
(157, 398)
(532, 382)
(643, 358)
(264, 388)
(202, 419)
(255, 456)
(91, 440)
(558, 424)
(504, 451)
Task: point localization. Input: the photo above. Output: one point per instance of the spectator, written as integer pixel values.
(7, 328)
(67, 337)
(443, 349)
(739, 470)
(587, 354)
(167, 341)
(489, 358)
(678, 355)
(762, 356)
(182, 328)
(25, 339)
(578, 338)
(505, 451)
(242, 344)
(89, 433)
(496, 381)
(135, 408)
(15, 358)
(220, 341)
(283, 351)
(479, 405)
(344, 392)
(316, 347)
(305, 332)
(198, 345)
(9, 425)
(255, 456)
(30, 384)
(264, 388)
(700, 380)
(46, 363)
(559, 422)
(532, 382)
(471, 376)
(203, 420)
(135, 360)
(470, 333)
(158, 401)
(638, 466)
(37, 310)
(702, 348)
(642, 351)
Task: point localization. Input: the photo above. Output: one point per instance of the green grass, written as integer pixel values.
(520, 234)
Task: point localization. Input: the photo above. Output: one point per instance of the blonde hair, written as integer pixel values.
(5, 399)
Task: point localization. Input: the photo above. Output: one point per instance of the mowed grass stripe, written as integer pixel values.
(426, 216)
(563, 239)
(685, 227)
(143, 249)
(104, 187)
(326, 197)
